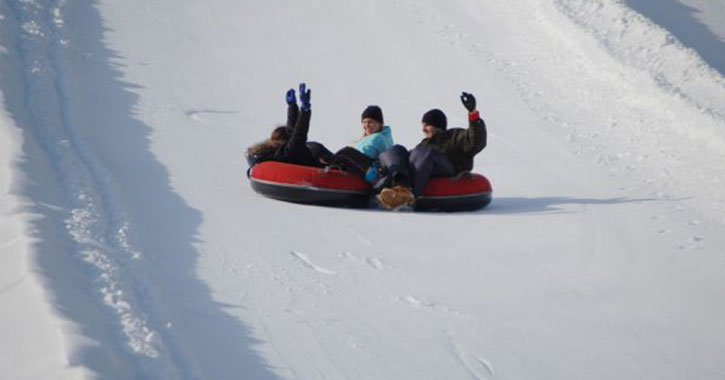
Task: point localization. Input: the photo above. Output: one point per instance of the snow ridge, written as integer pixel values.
(638, 42)
(98, 231)
(675, 129)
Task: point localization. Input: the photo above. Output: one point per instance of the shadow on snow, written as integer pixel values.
(680, 20)
(524, 205)
(198, 336)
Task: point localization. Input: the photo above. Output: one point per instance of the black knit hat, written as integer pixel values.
(436, 118)
(373, 112)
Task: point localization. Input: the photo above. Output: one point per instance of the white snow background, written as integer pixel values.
(132, 246)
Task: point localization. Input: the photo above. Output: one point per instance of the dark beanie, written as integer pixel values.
(436, 118)
(373, 112)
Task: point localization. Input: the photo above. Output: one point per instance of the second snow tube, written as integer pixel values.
(309, 185)
(465, 192)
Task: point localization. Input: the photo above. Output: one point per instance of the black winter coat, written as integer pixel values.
(460, 145)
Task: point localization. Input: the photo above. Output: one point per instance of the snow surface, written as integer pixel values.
(696, 23)
(132, 247)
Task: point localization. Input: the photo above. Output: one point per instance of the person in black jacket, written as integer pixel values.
(442, 153)
(288, 143)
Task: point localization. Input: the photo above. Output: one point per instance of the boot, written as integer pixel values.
(396, 197)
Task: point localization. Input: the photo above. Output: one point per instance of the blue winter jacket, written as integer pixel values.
(372, 145)
(376, 143)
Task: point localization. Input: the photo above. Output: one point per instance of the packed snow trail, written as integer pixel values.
(599, 258)
(103, 282)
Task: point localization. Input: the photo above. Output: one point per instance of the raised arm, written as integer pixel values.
(292, 111)
(302, 124)
(473, 140)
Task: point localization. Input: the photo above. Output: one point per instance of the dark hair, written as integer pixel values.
(279, 137)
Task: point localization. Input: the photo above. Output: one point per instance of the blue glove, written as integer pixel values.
(291, 98)
(305, 97)
(371, 175)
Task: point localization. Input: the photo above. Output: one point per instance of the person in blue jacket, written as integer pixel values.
(377, 138)
(361, 157)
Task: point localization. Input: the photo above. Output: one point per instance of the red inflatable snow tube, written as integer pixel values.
(464, 192)
(333, 187)
(309, 185)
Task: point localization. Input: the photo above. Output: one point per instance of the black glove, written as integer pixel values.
(469, 101)
(290, 97)
(305, 97)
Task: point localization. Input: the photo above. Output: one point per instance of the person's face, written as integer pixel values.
(371, 126)
(429, 130)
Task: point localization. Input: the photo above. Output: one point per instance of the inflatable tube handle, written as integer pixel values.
(328, 168)
(462, 174)
(249, 172)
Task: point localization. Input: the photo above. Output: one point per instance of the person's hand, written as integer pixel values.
(290, 97)
(305, 97)
(469, 101)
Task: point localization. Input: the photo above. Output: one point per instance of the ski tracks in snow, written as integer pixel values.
(198, 114)
(477, 366)
(373, 263)
(305, 307)
(307, 263)
(472, 363)
(98, 231)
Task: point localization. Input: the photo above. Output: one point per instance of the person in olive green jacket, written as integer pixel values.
(442, 153)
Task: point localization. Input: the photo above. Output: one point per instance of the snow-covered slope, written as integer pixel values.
(133, 247)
